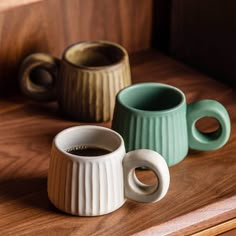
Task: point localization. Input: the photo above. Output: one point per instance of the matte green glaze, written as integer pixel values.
(214, 140)
(155, 116)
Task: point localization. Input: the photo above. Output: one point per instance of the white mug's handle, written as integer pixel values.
(138, 191)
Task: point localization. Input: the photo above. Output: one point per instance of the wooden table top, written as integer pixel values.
(202, 192)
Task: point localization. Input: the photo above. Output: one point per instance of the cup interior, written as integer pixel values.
(151, 97)
(94, 54)
(88, 135)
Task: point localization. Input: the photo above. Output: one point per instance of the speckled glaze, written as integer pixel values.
(84, 82)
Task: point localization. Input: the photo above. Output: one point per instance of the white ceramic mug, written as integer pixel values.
(97, 185)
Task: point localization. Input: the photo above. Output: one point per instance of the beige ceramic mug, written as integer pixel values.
(90, 184)
(84, 82)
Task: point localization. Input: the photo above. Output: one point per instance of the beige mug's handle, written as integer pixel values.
(138, 191)
(28, 86)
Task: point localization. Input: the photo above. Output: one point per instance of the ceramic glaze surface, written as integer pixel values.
(89, 95)
(84, 82)
(97, 185)
(86, 188)
(166, 134)
(155, 116)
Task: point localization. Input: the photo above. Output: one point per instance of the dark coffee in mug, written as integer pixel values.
(95, 185)
(87, 150)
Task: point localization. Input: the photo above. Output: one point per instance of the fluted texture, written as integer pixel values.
(166, 134)
(89, 95)
(87, 188)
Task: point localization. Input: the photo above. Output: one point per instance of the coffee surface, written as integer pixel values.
(87, 150)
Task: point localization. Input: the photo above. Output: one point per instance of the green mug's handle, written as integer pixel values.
(28, 86)
(214, 140)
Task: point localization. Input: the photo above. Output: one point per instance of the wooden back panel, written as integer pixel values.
(204, 35)
(51, 25)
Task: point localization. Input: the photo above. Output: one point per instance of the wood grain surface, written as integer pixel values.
(51, 25)
(27, 130)
(225, 227)
(9, 4)
(210, 216)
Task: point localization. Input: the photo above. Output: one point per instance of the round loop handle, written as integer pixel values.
(210, 141)
(30, 88)
(138, 191)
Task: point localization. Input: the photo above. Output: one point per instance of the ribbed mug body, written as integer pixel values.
(91, 74)
(86, 187)
(89, 95)
(153, 116)
(165, 133)
(84, 82)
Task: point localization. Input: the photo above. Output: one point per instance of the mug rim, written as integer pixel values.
(102, 42)
(87, 158)
(151, 84)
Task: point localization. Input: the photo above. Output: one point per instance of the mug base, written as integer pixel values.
(89, 214)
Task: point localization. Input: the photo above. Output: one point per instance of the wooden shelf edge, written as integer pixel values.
(218, 229)
(199, 220)
(7, 5)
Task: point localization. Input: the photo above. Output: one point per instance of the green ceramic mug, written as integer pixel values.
(155, 116)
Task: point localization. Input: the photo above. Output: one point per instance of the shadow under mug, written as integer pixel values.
(155, 116)
(84, 82)
(97, 185)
